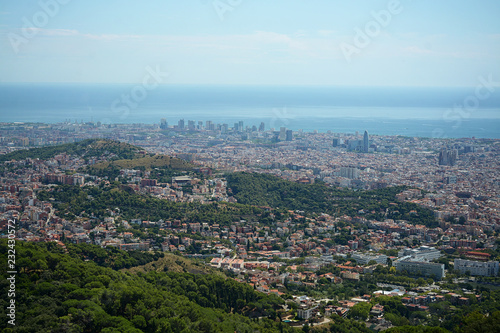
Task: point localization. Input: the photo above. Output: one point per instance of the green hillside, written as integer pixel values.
(57, 292)
(147, 163)
(71, 201)
(162, 167)
(267, 190)
(86, 148)
(172, 263)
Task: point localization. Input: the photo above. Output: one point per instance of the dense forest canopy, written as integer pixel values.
(85, 148)
(268, 190)
(161, 167)
(58, 292)
(73, 201)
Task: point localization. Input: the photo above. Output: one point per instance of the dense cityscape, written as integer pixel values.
(231, 166)
(307, 258)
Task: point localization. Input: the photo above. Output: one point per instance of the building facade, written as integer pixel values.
(421, 268)
(489, 268)
(423, 253)
(364, 259)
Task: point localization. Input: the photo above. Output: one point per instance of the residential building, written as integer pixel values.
(489, 268)
(420, 268)
(364, 259)
(423, 253)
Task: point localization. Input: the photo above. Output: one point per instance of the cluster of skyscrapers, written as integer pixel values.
(357, 145)
(211, 126)
(284, 134)
(448, 157)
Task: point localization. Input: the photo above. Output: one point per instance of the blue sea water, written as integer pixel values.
(423, 112)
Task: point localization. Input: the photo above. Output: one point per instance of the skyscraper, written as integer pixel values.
(448, 157)
(348, 172)
(337, 142)
(262, 127)
(289, 135)
(163, 123)
(282, 135)
(366, 142)
(181, 124)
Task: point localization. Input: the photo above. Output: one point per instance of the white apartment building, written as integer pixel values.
(489, 268)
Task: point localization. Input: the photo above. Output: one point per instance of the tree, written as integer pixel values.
(360, 310)
(74, 295)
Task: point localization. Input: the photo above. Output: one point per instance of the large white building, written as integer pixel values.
(351, 173)
(364, 259)
(420, 268)
(305, 312)
(489, 268)
(423, 253)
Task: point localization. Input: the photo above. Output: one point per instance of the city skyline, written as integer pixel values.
(250, 165)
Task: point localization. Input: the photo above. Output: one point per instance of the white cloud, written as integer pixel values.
(58, 32)
(327, 33)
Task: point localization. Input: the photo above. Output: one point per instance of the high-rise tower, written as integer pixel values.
(366, 142)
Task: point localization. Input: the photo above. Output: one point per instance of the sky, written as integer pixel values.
(427, 43)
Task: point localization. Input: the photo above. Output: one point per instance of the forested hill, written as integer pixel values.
(57, 292)
(162, 167)
(267, 190)
(85, 148)
(71, 201)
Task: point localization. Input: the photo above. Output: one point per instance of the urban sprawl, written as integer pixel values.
(458, 179)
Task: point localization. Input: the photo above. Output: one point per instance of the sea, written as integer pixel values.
(462, 112)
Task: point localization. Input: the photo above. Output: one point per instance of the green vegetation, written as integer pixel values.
(71, 201)
(173, 263)
(343, 325)
(390, 275)
(148, 163)
(92, 289)
(162, 167)
(417, 329)
(267, 190)
(360, 311)
(443, 314)
(477, 322)
(111, 256)
(56, 292)
(86, 148)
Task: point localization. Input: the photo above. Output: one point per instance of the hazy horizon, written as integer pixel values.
(124, 61)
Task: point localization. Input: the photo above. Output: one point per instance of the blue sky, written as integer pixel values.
(420, 43)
